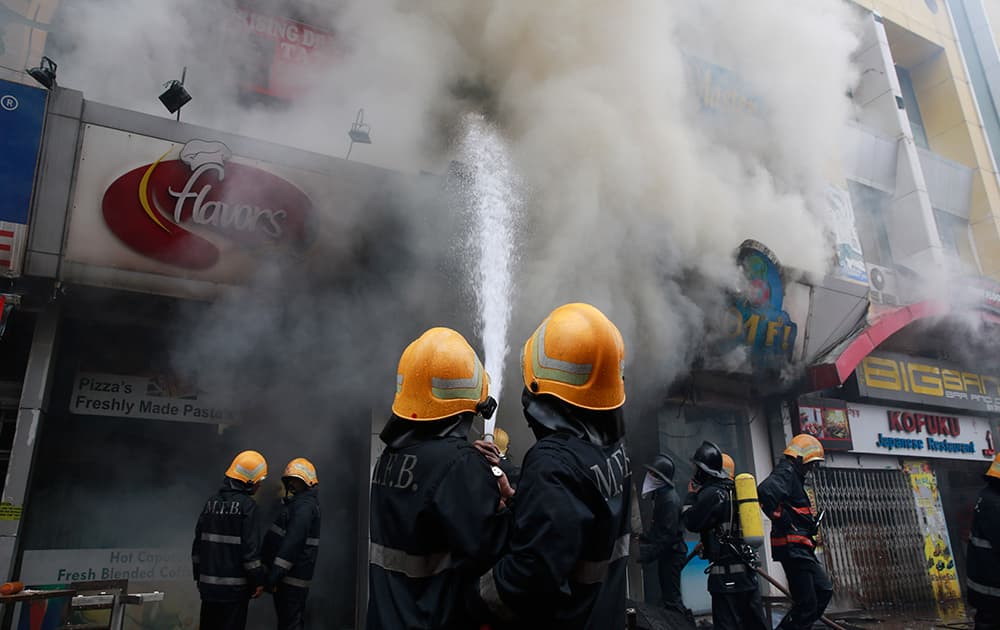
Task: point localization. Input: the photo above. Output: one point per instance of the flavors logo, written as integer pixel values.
(171, 210)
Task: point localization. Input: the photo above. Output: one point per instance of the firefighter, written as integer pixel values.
(292, 544)
(226, 551)
(664, 544)
(983, 554)
(438, 515)
(566, 561)
(512, 470)
(710, 510)
(794, 527)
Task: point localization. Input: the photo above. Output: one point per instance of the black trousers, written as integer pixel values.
(811, 590)
(988, 618)
(290, 604)
(224, 615)
(739, 611)
(668, 570)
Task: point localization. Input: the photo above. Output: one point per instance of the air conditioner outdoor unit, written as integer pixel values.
(883, 285)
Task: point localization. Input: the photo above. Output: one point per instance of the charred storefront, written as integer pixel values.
(187, 294)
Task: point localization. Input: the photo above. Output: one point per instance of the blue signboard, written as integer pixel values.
(757, 318)
(22, 112)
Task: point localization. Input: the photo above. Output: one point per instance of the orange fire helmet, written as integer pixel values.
(439, 376)
(729, 465)
(301, 468)
(501, 439)
(806, 448)
(577, 355)
(248, 467)
(994, 470)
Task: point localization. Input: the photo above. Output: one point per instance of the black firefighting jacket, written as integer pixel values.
(292, 543)
(793, 522)
(566, 562)
(710, 511)
(666, 532)
(435, 526)
(984, 549)
(225, 554)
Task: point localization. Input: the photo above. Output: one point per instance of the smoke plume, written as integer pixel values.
(651, 139)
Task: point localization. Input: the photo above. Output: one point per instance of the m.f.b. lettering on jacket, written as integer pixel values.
(225, 554)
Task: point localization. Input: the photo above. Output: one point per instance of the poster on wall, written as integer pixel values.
(826, 420)
(849, 261)
(167, 571)
(937, 548)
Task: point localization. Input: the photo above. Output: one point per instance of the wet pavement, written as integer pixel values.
(945, 616)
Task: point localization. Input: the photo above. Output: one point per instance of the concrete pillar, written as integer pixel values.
(31, 414)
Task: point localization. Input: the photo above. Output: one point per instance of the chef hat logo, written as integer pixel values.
(197, 153)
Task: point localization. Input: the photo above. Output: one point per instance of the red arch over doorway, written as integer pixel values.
(835, 369)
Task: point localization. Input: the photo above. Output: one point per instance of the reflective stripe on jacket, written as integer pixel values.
(225, 554)
(291, 545)
(566, 562)
(435, 528)
(983, 583)
(784, 500)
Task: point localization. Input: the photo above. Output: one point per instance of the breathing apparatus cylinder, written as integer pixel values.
(751, 523)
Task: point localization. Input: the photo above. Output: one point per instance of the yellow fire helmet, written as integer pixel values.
(577, 355)
(501, 439)
(729, 465)
(994, 470)
(439, 376)
(248, 467)
(301, 468)
(805, 447)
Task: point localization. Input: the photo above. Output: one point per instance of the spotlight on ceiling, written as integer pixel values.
(175, 97)
(360, 132)
(45, 73)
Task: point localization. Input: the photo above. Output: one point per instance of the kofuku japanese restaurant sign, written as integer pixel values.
(897, 431)
(899, 378)
(151, 397)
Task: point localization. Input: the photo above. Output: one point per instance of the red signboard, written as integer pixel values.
(172, 210)
(285, 53)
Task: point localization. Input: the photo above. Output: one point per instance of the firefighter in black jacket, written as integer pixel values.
(437, 507)
(506, 464)
(226, 551)
(565, 564)
(710, 510)
(664, 544)
(794, 527)
(292, 544)
(983, 555)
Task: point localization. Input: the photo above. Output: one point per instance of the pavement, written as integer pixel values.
(950, 616)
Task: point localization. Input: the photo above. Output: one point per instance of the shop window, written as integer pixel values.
(869, 218)
(912, 109)
(954, 233)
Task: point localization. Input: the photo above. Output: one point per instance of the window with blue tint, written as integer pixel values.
(912, 108)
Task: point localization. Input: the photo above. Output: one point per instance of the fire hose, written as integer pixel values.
(776, 584)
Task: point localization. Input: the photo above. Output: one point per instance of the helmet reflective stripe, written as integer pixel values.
(460, 388)
(250, 474)
(399, 383)
(302, 468)
(557, 370)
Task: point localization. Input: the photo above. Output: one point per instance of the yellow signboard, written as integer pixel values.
(937, 549)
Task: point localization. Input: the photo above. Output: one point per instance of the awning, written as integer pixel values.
(833, 369)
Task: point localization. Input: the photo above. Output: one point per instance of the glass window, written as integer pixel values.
(954, 233)
(869, 219)
(977, 75)
(912, 109)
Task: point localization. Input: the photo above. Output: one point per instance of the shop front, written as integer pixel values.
(902, 476)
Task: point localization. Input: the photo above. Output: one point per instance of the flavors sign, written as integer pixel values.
(175, 210)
